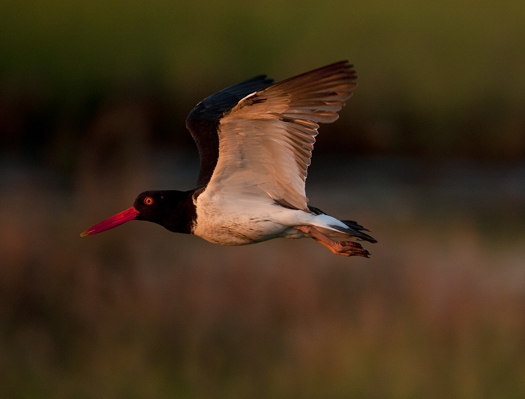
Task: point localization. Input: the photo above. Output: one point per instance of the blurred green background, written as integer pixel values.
(429, 154)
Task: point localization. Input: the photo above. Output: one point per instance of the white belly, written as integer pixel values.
(244, 221)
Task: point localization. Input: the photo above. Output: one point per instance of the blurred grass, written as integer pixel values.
(436, 77)
(93, 97)
(437, 311)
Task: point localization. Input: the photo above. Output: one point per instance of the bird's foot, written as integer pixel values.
(348, 248)
(345, 248)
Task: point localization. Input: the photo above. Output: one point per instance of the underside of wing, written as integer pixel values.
(266, 140)
(202, 121)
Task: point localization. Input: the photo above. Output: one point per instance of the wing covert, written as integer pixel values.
(266, 140)
(202, 121)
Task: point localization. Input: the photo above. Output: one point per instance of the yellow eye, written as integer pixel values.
(148, 201)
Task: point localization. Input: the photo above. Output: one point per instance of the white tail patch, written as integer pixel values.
(331, 226)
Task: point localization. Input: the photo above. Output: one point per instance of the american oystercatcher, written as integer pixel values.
(255, 141)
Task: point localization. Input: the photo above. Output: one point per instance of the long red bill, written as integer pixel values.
(113, 221)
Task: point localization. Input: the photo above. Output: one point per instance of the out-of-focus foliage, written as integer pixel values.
(428, 154)
(436, 77)
(138, 312)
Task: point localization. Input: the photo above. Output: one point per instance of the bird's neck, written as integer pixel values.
(180, 215)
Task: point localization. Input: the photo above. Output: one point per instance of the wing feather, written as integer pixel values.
(202, 121)
(266, 140)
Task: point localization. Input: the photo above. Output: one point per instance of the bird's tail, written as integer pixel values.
(341, 229)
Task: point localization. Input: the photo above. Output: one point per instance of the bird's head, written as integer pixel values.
(162, 207)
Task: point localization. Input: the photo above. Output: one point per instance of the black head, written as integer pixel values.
(172, 209)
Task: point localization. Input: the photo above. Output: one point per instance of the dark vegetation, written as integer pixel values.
(429, 154)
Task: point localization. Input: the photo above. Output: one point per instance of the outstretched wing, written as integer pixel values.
(266, 140)
(202, 121)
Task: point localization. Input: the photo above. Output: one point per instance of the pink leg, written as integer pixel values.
(345, 248)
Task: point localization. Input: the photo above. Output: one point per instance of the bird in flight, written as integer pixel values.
(255, 141)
